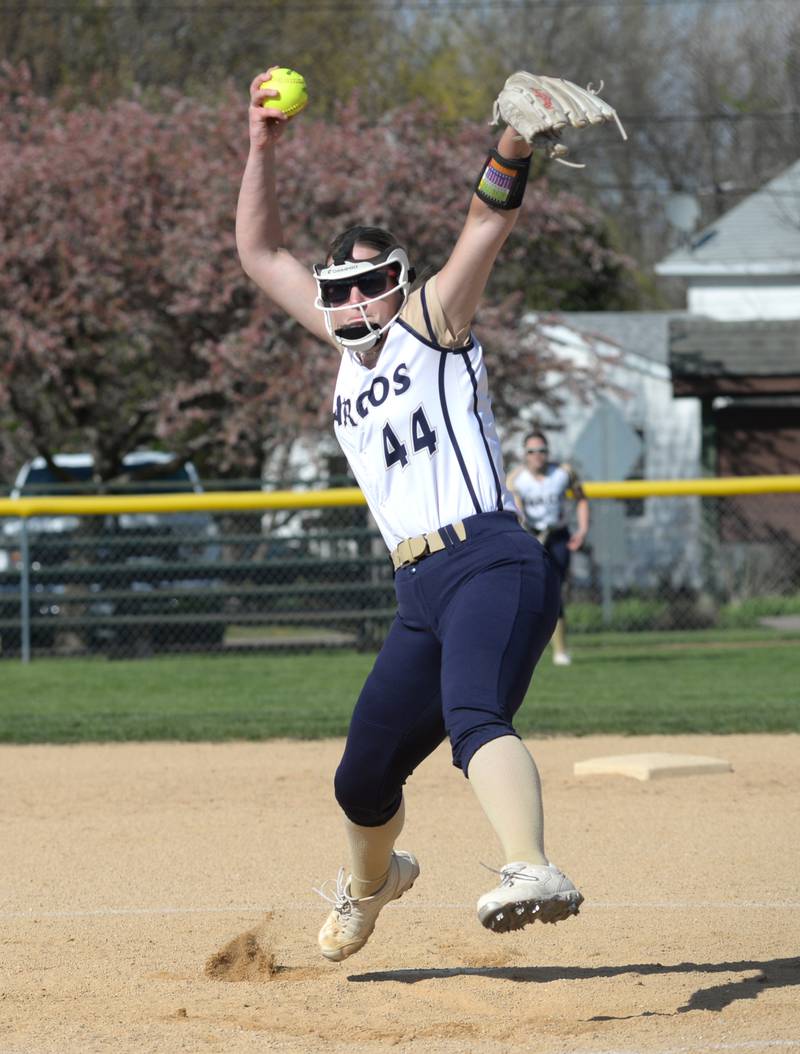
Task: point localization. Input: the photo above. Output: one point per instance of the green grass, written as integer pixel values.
(745, 681)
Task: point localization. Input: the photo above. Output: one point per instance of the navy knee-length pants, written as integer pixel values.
(471, 624)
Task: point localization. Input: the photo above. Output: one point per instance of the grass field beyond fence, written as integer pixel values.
(653, 683)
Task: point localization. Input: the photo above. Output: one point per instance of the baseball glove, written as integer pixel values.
(539, 108)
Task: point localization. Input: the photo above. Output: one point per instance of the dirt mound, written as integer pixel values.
(245, 958)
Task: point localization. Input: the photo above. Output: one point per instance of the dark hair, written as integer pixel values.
(535, 435)
(341, 248)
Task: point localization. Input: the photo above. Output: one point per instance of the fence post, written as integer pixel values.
(608, 529)
(25, 591)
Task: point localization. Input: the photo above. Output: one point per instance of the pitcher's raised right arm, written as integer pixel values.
(259, 233)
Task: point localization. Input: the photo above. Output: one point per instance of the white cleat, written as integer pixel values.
(528, 893)
(562, 658)
(349, 925)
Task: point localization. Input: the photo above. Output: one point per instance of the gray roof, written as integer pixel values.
(642, 333)
(759, 236)
(708, 347)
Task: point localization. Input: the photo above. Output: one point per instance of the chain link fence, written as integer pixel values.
(687, 563)
(131, 585)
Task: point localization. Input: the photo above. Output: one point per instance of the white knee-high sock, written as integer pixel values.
(506, 782)
(559, 638)
(371, 853)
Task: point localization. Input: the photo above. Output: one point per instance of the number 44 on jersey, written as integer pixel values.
(421, 435)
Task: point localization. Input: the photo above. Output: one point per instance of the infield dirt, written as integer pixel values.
(158, 898)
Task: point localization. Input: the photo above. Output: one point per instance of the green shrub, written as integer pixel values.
(682, 612)
(585, 618)
(629, 615)
(743, 613)
(636, 613)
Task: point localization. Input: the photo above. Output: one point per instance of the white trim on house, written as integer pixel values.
(682, 269)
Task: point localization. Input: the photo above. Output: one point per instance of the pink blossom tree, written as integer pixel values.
(125, 317)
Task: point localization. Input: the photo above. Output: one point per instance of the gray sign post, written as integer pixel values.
(607, 449)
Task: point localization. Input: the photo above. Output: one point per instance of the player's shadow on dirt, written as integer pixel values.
(771, 973)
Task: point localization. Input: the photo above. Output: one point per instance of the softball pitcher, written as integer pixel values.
(477, 595)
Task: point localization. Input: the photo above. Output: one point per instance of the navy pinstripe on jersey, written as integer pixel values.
(419, 434)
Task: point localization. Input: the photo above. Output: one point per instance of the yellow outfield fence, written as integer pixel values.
(243, 501)
(226, 571)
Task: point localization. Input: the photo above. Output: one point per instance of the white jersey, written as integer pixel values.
(417, 429)
(543, 499)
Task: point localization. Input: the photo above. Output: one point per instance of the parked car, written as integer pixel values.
(125, 584)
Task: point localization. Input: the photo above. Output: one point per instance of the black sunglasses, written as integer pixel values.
(536, 450)
(370, 284)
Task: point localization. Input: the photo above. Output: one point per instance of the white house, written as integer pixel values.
(738, 350)
(714, 389)
(746, 265)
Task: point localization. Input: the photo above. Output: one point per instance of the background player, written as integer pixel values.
(540, 488)
(477, 596)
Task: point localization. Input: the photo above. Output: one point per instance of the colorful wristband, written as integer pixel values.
(502, 182)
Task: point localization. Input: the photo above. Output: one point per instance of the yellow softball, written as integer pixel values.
(292, 87)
